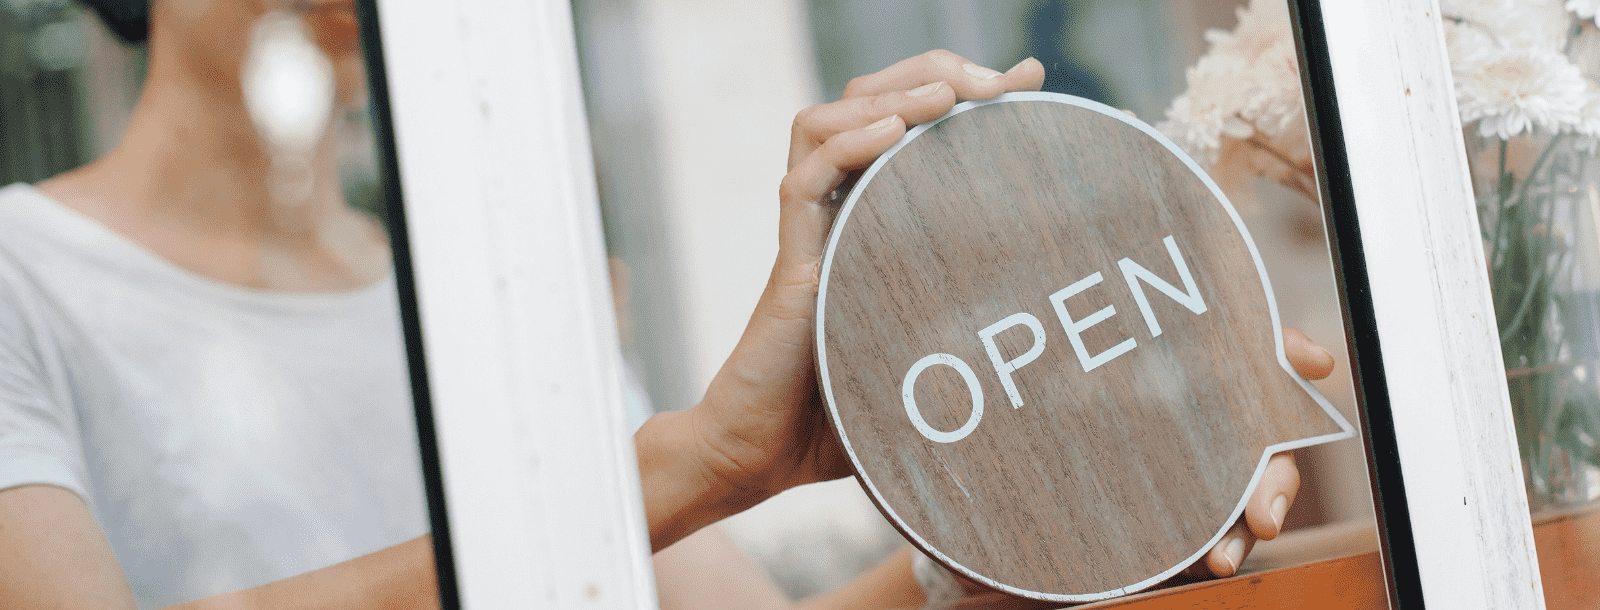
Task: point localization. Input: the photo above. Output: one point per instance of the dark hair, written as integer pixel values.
(129, 19)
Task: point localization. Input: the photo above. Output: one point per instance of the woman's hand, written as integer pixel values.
(761, 428)
(763, 408)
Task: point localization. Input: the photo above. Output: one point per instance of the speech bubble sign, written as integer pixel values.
(1051, 350)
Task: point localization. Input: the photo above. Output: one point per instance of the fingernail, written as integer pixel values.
(1019, 65)
(883, 123)
(980, 71)
(1280, 508)
(927, 89)
(1234, 553)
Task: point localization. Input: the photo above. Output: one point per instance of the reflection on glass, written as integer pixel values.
(202, 377)
(691, 105)
(1527, 78)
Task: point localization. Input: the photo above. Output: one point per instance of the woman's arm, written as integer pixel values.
(53, 555)
(400, 577)
(708, 571)
(889, 585)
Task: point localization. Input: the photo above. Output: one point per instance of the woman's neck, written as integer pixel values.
(192, 181)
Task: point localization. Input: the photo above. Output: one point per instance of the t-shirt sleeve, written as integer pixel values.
(39, 439)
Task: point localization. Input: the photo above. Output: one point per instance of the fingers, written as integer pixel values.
(1263, 519)
(830, 140)
(1312, 361)
(919, 89)
(1274, 494)
(971, 81)
(816, 124)
(803, 191)
(1027, 75)
(1224, 559)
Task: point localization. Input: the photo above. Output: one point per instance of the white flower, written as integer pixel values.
(1462, 39)
(1517, 91)
(1248, 82)
(1584, 51)
(1512, 24)
(1588, 127)
(1243, 116)
(1473, 10)
(1539, 23)
(1197, 130)
(1585, 9)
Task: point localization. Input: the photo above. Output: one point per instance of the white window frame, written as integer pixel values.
(523, 377)
(522, 368)
(1439, 349)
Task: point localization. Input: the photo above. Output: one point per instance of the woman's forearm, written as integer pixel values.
(681, 494)
(890, 585)
(400, 577)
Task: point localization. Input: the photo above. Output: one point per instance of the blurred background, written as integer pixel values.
(690, 105)
(68, 86)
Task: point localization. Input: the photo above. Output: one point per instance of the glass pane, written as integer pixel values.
(203, 383)
(691, 106)
(1527, 79)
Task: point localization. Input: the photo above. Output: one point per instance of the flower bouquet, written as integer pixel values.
(1243, 117)
(1527, 83)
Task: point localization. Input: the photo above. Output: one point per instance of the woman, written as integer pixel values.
(201, 386)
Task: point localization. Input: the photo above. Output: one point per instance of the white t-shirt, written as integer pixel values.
(222, 437)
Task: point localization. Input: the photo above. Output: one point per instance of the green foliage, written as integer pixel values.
(1548, 326)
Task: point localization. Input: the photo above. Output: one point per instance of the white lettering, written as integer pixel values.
(1133, 273)
(1189, 297)
(1075, 328)
(1003, 367)
(908, 395)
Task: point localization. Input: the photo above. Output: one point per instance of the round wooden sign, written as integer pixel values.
(1050, 348)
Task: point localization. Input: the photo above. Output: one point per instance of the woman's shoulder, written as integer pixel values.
(35, 229)
(30, 217)
(16, 233)
(45, 256)
(36, 236)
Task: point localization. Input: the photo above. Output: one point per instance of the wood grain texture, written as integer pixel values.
(1337, 567)
(1569, 556)
(1344, 583)
(1103, 481)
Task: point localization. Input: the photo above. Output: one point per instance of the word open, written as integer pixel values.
(1137, 278)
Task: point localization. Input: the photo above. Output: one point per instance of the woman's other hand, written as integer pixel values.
(1275, 493)
(1263, 514)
